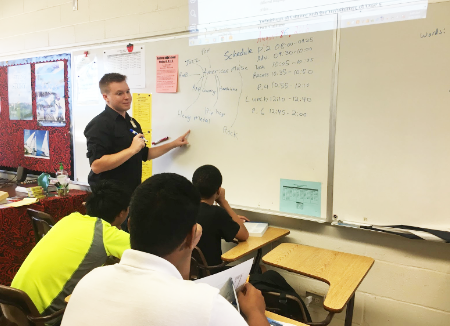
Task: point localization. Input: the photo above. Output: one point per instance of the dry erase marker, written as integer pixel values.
(160, 141)
(136, 133)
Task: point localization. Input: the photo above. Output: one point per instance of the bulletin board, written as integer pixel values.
(37, 134)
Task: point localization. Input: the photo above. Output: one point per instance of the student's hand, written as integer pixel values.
(181, 141)
(251, 301)
(138, 143)
(221, 196)
(243, 218)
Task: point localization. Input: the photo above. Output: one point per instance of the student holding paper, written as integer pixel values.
(149, 286)
(218, 222)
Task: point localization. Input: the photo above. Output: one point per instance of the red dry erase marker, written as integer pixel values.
(160, 141)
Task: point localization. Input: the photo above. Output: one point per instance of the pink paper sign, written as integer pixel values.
(167, 73)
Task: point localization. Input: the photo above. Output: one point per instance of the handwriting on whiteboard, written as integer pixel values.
(265, 81)
(436, 32)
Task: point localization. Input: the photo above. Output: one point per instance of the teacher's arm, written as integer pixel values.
(112, 161)
(158, 151)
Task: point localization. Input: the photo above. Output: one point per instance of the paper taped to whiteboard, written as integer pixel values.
(300, 197)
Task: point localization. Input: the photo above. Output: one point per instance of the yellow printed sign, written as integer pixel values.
(142, 112)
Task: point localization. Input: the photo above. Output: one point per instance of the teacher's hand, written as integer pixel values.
(138, 143)
(181, 141)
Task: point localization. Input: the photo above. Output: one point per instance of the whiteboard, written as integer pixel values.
(258, 110)
(392, 134)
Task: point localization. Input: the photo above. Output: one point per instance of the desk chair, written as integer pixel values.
(18, 308)
(342, 271)
(288, 306)
(199, 266)
(42, 223)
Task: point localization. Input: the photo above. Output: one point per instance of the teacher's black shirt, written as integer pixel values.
(109, 133)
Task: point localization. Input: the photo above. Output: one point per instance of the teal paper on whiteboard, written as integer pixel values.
(300, 197)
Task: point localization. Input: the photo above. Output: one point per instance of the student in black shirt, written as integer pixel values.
(218, 222)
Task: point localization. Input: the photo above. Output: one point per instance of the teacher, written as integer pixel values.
(114, 152)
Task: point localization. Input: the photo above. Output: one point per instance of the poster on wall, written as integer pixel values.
(86, 73)
(19, 92)
(50, 101)
(130, 64)
(166, 73)
(300, 197)
(35, 143)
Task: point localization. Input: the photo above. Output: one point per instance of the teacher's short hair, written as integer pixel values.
(163, 211)
(108, 79)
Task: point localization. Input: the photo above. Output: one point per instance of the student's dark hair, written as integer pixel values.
(108, 79)
(107, 200)
(207, 179)
(163, 211)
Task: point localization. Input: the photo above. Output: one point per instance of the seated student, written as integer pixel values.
(217, 222)
(149, 286)
(73, 247)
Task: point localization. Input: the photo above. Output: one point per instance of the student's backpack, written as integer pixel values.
(279, 296)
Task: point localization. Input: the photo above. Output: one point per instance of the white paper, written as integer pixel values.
(238, 273)
(256, 229)
(130, 64)
(86, 76)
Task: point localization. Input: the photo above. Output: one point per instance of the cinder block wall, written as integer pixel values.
(409, 284)
(30, 25)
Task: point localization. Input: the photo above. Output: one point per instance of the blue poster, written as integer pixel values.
(300, 197)
(35, 143)
(50, 100)
(19, 92)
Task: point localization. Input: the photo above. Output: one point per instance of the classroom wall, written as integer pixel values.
(30, 25)
(410, 280)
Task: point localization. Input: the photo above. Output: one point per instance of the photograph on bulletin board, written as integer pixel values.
(50, 100)
(19, 92)
(35, 143)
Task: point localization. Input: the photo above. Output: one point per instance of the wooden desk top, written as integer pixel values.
(11, 190)
(254, 243)
(343, 272)
(283, 319)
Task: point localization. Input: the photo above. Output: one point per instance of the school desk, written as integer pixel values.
(343, 272)
(254, 243)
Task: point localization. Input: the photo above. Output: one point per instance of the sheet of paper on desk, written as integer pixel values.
(256, 229)
(238, 273)
(23, 202)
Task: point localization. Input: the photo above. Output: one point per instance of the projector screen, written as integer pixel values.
(218, 21)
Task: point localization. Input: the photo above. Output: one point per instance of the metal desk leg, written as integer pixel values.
(349, 311)
(256, 262)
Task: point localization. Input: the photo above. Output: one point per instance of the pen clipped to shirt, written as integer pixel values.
(134, 132)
